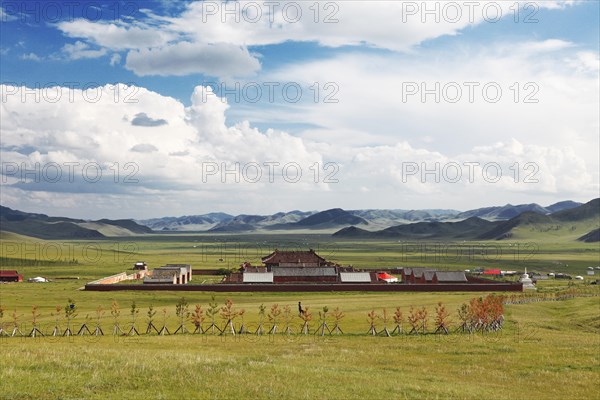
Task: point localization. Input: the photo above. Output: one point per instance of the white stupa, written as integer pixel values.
(527, 282)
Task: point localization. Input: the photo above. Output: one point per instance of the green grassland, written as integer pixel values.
(552, 232)
(546, 350)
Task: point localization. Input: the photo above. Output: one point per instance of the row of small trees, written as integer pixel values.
(483, 314)
(566, 294)
(480, 314)
(157, 323)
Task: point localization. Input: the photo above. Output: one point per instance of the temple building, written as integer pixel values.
(300, 259)
(299, 267)
(289, 267)
(307, 267)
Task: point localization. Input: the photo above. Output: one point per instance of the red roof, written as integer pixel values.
(8, 273)
(292, 257)
(492, 272)
(384, 275)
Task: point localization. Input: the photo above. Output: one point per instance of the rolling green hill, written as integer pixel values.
(42, 226)
(504, 229)
(590, 237)
(466, 229)
(567, 224)
(328, 219)
(588, 210)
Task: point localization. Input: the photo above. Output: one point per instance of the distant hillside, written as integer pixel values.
(233, 226)
(8, 214)
(44, 227)
(387, 218)
(504, 229)
(128, 224)
(567, 222)
(523, 219)
(43, 230)
(220, 222)
(591, 237)
(562, 205)
(337, 218)
(586, 211)
(187, 222)
(503, 213)
(248, 223)
(353, 232)
(291, 221)
(529, 224)
(465, 230)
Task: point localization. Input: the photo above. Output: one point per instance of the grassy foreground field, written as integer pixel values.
(546, 349)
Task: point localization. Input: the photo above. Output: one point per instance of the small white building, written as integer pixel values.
(258, 277)
(176, 274)
(355, 277)
(159, 276)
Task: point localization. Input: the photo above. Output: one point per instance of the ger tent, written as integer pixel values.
(38, 279)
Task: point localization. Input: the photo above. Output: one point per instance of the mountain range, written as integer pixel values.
(577, 220)
(335, 219)
(570, 221)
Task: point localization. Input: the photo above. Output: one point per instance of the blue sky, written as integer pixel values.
(371, 132)
(32, 29)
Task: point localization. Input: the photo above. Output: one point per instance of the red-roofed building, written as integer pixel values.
(495, 272)
(384, 276)
(10, 276)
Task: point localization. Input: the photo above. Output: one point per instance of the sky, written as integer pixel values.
(143, 109)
